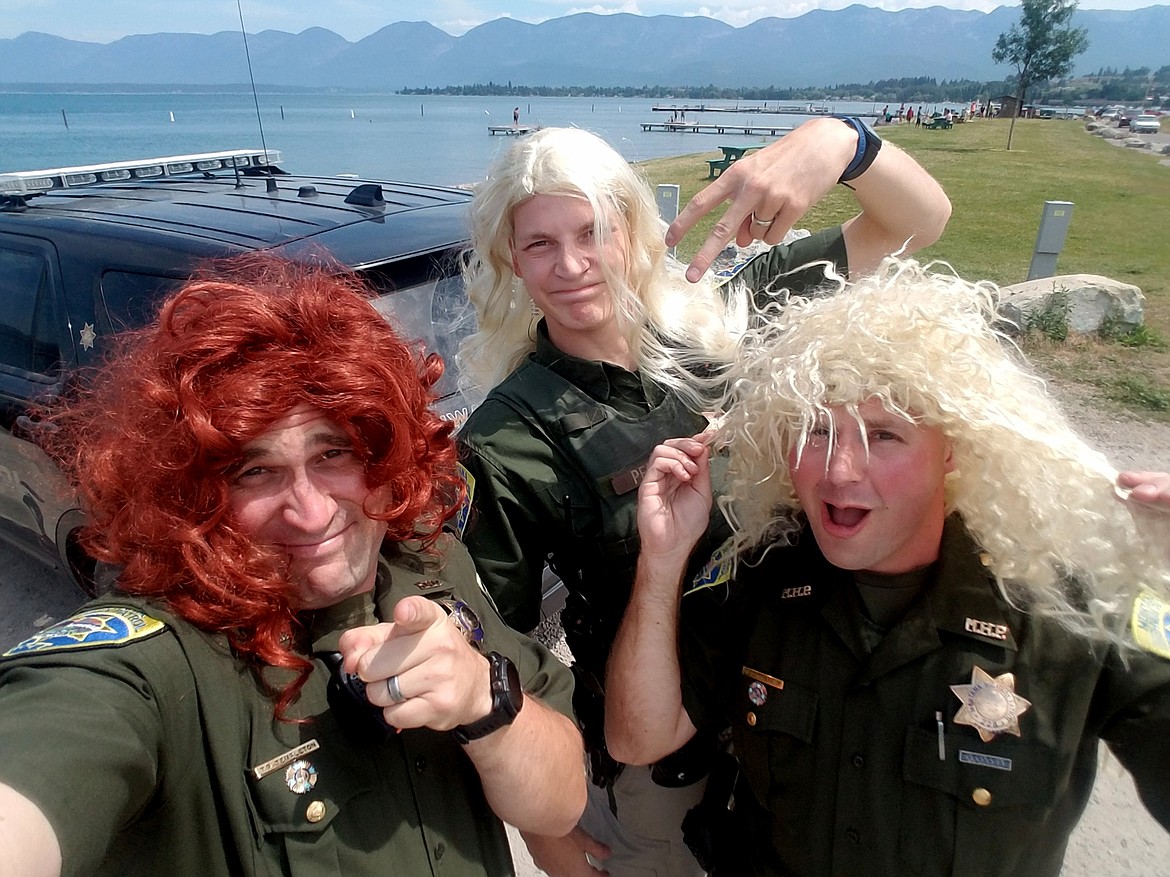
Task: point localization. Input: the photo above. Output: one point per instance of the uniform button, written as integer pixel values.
(315, 812)
(982, 797)
(420, 764)
(852, 836)
(858, 760)
(440, 850)
(751, 719)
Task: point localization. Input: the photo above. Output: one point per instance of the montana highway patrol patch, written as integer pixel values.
(98, 628)
(1150, 624)
(464, 512)
(717, 570)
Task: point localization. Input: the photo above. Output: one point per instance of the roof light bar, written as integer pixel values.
(32, 182)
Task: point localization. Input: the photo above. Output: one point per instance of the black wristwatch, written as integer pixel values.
(868, 146)
(507, 698)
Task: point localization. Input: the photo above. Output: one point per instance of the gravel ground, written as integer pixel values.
(1116, 837)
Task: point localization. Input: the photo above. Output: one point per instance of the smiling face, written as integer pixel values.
(301, 489)
(880, 510)
(556, 253)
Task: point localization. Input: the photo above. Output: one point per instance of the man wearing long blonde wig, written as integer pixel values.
(935, 605)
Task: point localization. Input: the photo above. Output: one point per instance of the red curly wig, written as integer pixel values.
(150, 442)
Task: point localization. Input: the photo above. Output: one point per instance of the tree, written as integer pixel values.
(1041, 46)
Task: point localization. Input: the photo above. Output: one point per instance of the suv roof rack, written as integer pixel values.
(35, 182)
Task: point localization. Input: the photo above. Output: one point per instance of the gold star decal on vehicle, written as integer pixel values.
(990, 705)
(87, 336)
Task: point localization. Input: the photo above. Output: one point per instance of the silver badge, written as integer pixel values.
(990, 705)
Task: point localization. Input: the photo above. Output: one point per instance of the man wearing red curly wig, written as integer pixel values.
(297, 672)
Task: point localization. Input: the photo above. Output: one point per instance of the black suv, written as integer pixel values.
(86, 252)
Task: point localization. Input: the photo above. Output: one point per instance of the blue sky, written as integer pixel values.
(107, 20)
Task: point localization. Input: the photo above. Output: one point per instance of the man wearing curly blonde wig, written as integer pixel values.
(934, 607)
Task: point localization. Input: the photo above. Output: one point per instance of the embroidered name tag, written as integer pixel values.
(984, 760)
(112, 626)
(789, 593)
(629, 480)
(986, 628)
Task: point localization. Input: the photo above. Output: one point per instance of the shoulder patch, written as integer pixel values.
(98, 628)
(459, 522)
(717, 570)
(1150, 624)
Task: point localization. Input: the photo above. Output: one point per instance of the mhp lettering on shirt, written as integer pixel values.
(112, 626)
(789, 593)
(986, 628)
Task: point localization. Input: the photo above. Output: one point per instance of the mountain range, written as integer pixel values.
(856, 44)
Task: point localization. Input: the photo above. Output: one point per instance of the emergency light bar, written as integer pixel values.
(33, 182)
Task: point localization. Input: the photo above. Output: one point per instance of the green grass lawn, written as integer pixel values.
(1120, 228)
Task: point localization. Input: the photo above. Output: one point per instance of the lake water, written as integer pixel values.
(431, 139)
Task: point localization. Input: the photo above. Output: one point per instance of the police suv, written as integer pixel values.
(88, 251)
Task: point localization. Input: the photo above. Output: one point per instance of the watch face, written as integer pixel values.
(466, 619)
(515, 693)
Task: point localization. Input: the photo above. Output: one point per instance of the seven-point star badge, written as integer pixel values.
(990, 706)
(87, 335)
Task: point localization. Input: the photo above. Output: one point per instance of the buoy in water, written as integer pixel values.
(172, 115)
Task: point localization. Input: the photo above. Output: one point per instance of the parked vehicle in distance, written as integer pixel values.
(86, 252)
(1146, 123)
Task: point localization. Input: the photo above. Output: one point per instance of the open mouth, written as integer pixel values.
(846, 517)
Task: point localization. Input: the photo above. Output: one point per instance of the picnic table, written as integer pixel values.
(731, 154)
(937, 122)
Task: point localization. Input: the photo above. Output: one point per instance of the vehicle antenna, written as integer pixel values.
(255, 99)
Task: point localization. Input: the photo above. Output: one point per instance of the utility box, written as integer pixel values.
(666, 195)
(1050, 238)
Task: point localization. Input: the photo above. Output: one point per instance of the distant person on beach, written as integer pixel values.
(582, 315)
(516, 117)
(938, 601)
(297, 671)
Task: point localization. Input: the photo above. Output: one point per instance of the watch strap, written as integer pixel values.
(507, 699)
(868, 146)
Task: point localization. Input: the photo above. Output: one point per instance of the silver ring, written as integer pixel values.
(764, 222)
(393, 690)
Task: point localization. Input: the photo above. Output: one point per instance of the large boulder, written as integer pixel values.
(1088, 303)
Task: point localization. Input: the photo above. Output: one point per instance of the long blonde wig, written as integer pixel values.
(1036, 498)
(654, 303)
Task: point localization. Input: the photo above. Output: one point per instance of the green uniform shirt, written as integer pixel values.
(845, 769)
(142, 752)
(521, 481)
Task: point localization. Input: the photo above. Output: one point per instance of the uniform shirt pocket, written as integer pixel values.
(951, 806)
(774, 730)
(304, 797)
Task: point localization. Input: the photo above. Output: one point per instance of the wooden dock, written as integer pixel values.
(693, 128)
(512, 130)
(774, 109)
(778, 109)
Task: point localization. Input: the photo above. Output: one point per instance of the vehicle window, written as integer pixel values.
(28, 336)
(130, 300)
(436, 313)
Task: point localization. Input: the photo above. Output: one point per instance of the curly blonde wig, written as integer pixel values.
(1035, 497)
(653, 301)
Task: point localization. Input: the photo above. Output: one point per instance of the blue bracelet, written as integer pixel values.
(868, 146)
